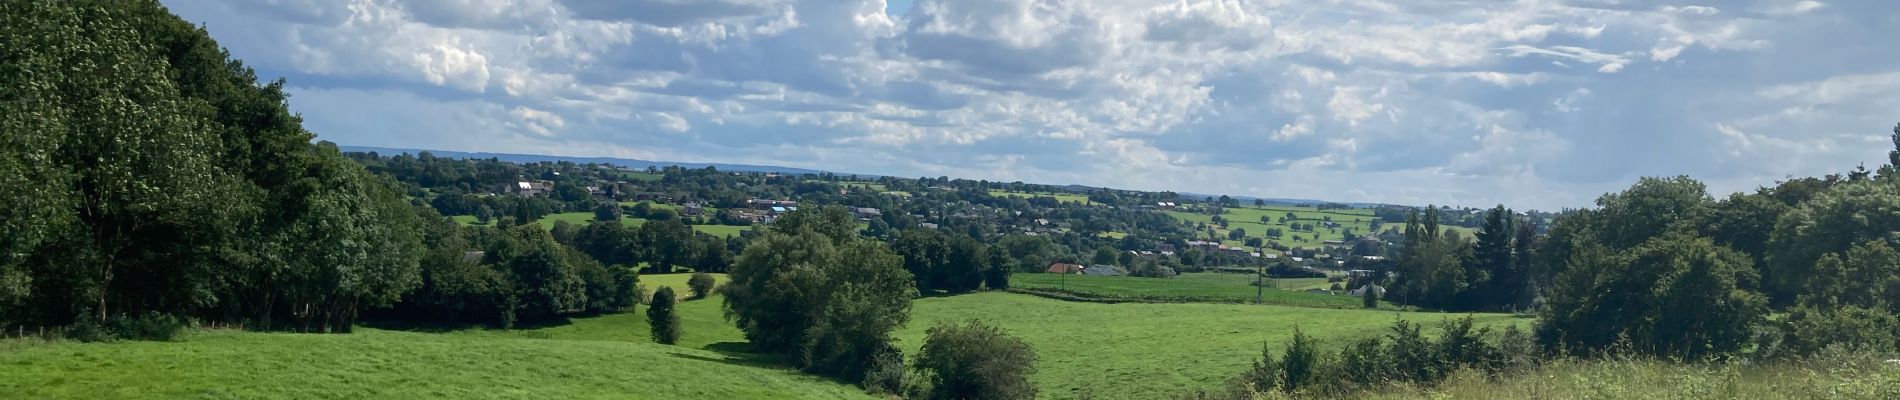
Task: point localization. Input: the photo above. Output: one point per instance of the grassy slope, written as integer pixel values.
(1117, 350)
(1148, 351)
(386, 364)
(1209, 286)
(607, 356)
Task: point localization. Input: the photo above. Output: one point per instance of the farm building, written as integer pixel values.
(1102, 270)
(529, 188)
(1061, 268)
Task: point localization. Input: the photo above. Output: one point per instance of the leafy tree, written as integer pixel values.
(813, 291)
(664, 322)
(975, 361)
(1675, 295)
(1106, 256)
(997, 268)
(701, 285)
(1832, 222)
(607, 212)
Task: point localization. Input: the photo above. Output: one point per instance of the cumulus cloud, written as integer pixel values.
(1534, 103)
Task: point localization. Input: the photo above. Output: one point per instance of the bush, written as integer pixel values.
(975, 361)
(149, 326)
(1301, 362)
(1811, 330)
(701, 284)
(661, 318)
(886, 374)
(1264, 376)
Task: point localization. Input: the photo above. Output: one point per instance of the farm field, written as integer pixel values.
(390, 364)
(1248, 218)
(1152, 351)
(584, 218)
(1061, 197)
(1204, 286)
(1129, 351)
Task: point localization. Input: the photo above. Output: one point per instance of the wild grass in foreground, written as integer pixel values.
(1828, 377)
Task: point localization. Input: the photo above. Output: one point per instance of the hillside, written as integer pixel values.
(1147, 351)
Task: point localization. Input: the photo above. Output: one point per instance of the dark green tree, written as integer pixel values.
(661, 318)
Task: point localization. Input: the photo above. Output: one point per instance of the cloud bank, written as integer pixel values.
(1529, 103)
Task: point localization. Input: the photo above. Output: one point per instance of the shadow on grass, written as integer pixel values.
(446, 327)
(738, 353)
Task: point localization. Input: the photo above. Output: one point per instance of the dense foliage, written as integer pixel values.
(974, 361)
(814, 291)
(158, 175)
(664, 322)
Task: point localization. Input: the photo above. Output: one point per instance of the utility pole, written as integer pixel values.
(1260, 284)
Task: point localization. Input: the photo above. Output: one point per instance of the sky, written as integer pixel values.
(1533, 104)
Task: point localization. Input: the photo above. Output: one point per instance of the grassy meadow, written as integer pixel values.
(1151, 351)
(1061, 197)
(1248, 218)
(584, 218)
(1201, 286)
(1109, 351)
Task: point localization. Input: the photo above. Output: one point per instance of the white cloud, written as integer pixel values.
(1352, 100)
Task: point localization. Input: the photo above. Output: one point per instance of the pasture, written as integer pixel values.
(1060, 197)
(1190, 287)
(584, 218)
(1152, 351)
(1249, 218)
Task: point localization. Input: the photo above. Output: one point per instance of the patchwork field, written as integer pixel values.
(1061, 197)
(1248, 218)
(584, 218)
(1195, 287)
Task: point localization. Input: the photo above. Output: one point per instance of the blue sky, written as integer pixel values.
(1531, 103)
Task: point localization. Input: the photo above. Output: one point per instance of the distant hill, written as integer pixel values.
(642, 164)
(621, 162)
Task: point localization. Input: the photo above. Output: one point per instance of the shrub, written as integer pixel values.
(975, 361)
(1363, 362)
(660, 316)
(1301, 361)
(1264, 376)
(1369, 299)
(1810, 330)
(701, 284)
(148, 326)
(886, 374)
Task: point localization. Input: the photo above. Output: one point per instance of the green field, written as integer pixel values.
(397, 365)
(1112, 351)
(640, 176)
(1248, 218)
(584, 218)
(1151, 351)
(1061, 197)
(1193, 287)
